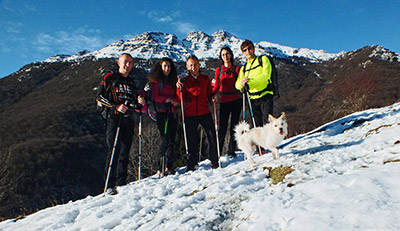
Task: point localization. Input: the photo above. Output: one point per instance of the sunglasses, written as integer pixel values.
(247, 48)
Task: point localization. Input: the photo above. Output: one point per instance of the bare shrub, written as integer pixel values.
(346, 97)
(150, 145)
(356, 92)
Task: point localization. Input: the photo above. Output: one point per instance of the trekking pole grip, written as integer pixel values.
(246, 88)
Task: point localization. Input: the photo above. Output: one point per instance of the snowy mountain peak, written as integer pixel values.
(57, 58)
(154, 38)
(198, 36)
(385, 54)
(225, 37)
(150, 45)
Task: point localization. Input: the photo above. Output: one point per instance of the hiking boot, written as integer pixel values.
(171, 171)
(190, 168)
(166, 173)
(112, 191)
(232, 155)
(214, 165)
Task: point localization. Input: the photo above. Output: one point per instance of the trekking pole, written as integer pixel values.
(244, 111)
(183, 122)
(163, 155)
(112, 154)
(165, 138)
(216, 132)
(244, 105)
(140, 142)
(201, 143)
(246, 88)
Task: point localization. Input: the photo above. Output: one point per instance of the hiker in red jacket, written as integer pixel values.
(230, 98)
(197, 93)
(163, 77)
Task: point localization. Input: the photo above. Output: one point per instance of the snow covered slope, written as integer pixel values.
(346, 177)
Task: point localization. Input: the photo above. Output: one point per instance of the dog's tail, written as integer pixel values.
(241, 128)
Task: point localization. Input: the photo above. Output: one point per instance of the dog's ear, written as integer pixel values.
(283, 115)
(271, 118)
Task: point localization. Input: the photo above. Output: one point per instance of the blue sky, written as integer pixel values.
(35, 30)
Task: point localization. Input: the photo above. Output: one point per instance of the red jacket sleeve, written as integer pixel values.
(210, 91)
(215, 82)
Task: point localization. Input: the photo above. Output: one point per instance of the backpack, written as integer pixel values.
(150, 103)
(235, 74)
(103, 110)
(274, 85)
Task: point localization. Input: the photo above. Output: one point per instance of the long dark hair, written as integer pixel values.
(230, 51)
(156, 73)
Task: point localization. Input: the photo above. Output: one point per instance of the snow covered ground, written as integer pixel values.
(346, 177)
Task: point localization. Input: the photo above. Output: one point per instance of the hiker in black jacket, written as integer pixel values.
(118, 94)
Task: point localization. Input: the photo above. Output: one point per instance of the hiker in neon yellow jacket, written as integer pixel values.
(256, 78)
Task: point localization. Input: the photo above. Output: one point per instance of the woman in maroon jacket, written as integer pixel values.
(230, 98)
(196, 94)
(163, 77)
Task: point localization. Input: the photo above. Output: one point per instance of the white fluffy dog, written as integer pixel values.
(269, 136)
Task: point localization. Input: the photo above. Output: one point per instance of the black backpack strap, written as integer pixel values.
(104, 98)
(273, 85)
(274, 78)
(252, 68)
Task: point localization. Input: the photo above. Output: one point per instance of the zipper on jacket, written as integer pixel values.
(197, 96)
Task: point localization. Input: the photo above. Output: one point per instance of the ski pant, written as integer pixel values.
(167, 124)
(119, 167)
(261, 108)
(192, 123)
(232, 109)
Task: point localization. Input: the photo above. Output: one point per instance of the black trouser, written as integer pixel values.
(261, 108)
(119, 166)
(232, 109)
(192, 123)
(167, 134)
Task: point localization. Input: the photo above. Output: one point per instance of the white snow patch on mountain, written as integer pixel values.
(158, 45)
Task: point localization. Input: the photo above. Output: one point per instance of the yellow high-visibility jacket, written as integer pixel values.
(259, 77)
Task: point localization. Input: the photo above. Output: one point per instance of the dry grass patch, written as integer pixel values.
(277, 174)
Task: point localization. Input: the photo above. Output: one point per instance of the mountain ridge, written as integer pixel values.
(160, 44)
